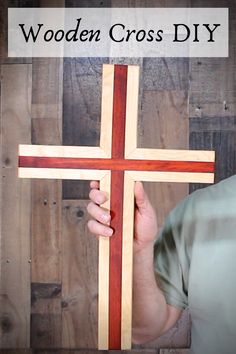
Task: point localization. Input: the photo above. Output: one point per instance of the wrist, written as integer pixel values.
(143, 247)
(143, 253)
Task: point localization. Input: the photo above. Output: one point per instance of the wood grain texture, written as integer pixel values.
(15, 232)
(46, 195)
(47, 89)
(107, 108)
(119, 111)
(174, 351)
(46, 231)
(60, 151)
(191, 177)
(46, 131)
(115, 269)
(96, 152)
(81, 110)
(173, 155)
(131, 127)
(213, 103)
(212, 85)
(46, 227)
(164, 119)
(59, 173)
(79, 278)
(127, 262)
(117, 190)
(212, 91)
(103, 274)
(115, 164)
(165, 74)
(45, 315)
(82, 101)
(218, 133)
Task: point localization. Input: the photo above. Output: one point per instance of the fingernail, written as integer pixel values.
(109, 232)
(106, 217)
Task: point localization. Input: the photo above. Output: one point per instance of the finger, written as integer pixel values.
(99, 229)
(141, 198)
(98, 213)
(98, 196)
(94, 184)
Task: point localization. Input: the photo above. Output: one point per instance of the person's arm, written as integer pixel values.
(152, 317)
(151, 314)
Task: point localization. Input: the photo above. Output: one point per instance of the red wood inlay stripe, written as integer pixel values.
(115, 275)
(116, 164)
(119, 110)
(117, 188)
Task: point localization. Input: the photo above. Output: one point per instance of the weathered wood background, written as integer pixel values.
(48, 269)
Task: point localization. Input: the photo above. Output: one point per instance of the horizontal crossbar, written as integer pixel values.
(98, 152)
(115, 164)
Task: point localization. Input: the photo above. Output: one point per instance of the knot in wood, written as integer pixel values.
(6, 324)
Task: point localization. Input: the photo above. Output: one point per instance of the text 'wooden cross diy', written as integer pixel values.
(117, 163)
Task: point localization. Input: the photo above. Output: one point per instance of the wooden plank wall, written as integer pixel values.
(212, 101)
(16, 206)
(48, 268)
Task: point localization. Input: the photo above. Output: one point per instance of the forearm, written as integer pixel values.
(150, 311)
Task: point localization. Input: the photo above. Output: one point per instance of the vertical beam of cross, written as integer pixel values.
(117, 192)
(117, 163)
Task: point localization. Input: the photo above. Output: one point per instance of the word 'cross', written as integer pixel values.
(117, 163)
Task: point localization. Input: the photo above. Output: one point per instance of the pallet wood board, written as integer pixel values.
(47, 88)
(79, 278)
(45, 315)
(15, 232)
(218, 133)
(212, 85)
(212, 88)
(172, 74)
(46, 196)
(46, 324)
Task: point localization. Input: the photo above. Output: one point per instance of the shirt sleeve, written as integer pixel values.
(168, 267)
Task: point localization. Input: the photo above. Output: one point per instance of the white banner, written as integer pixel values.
(118, 32)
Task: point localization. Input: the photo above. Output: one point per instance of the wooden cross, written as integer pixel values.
(117, 163)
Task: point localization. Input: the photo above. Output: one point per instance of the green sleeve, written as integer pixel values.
(168, 265)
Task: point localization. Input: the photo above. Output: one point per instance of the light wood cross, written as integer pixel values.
(117, 163)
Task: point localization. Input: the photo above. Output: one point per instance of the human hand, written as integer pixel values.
(145, 223)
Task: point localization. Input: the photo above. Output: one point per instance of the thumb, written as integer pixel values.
(141, 198)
